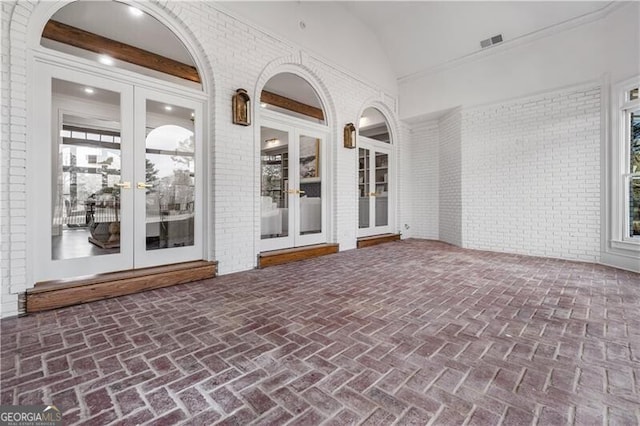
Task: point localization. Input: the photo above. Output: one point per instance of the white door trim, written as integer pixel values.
(373, 146)
(296, 128)
(40, 185)
(145, 258)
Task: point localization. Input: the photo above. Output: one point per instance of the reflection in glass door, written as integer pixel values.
(167, 185)
(83, 197)
(292, 201)
(310, 184)
(274, 192)
(374, 207)
(121, 183)
(86, 190)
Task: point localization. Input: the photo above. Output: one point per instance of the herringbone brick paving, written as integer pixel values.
(411, 332)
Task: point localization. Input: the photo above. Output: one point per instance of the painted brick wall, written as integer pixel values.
(531, 175)
(450, 177)
(236, 55)
(8, 302)
(421, 166)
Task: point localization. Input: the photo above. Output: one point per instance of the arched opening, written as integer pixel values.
(293, 138)
(125, 156)
(375, 174)
(373, 125)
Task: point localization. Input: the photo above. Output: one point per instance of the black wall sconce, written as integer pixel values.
(349, 136)
(241, 108)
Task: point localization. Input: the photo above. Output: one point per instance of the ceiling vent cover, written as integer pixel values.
(491, 41)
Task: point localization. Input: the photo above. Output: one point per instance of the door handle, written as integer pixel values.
(300, 192)
(143, 185)
(373, 194)
(123, 185)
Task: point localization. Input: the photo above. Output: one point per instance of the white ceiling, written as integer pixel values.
(413, 35)
(419, 35)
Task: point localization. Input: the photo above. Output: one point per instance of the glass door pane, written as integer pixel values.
(310, 192)
(86, 169)
(168, 184)
(169, 181)
(275, 183)
(364, 190)
(382, 189)
(84, 159)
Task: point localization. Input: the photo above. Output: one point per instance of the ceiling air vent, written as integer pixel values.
(491, 41)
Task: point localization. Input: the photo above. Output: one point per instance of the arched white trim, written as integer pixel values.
(289, 65)
(393, 146)
(43, 11)
(30, 41)
(294, 64)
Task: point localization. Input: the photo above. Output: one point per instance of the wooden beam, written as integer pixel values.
(291, 105)
(77, 37)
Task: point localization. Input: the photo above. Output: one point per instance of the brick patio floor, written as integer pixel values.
(411, 332)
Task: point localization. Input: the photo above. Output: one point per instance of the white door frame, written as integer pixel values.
(295, 128)
(143, 257)
(373, 146)
(41, 186)
(39, 204)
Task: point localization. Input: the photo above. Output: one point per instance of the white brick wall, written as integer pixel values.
(531, 176)
(450, 193)
(235, 55)
(420, 182)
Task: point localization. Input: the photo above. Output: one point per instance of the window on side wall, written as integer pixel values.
(630, 114)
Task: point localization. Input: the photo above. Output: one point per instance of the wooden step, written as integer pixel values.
(278, 257)
(56, 294)
(377, 239)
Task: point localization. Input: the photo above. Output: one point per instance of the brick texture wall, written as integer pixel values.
(450, 179)
(421, 166)
(234, 55)
(531, 175)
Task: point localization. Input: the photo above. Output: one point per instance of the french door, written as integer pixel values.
(375, 188)
(293, 195)
(119, 176)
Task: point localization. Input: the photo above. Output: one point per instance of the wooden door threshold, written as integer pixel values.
(278, 257)
(57, 294)
(377, 239)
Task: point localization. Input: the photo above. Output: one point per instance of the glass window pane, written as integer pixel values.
(634, 207)
(634, 154)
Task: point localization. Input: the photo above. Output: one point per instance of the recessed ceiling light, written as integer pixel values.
(135, 11)
(105, 59)
(168, 107)
(89, 90)
(263, 105)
